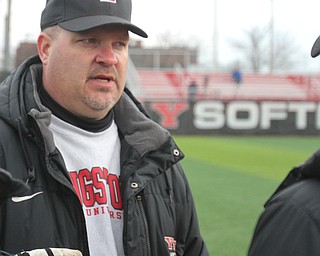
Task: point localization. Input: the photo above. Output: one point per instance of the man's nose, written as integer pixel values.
(106, 56)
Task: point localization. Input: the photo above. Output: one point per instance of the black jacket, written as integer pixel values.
(290, 223)
(157, 201)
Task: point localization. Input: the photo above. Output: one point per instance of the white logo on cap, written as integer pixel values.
(109, 1)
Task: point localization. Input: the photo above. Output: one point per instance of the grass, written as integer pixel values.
(231, 178)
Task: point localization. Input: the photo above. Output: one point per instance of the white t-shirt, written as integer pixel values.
(93, 162)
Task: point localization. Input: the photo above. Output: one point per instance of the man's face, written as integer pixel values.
(85, 72)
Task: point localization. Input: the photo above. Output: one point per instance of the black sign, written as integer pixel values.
(237, 117)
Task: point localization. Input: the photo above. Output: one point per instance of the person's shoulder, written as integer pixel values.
(305, 193)
(290, 223)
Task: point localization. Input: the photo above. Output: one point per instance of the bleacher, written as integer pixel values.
(170, 85)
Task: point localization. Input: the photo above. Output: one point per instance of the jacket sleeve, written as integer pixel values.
(286, 228)
(194, 244)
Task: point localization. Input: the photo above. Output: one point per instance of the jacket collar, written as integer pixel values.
(139, 130)
(308, 169)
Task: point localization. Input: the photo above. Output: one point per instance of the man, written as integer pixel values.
(290, 223)
(103, 179)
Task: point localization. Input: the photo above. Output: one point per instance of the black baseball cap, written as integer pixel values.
(315, 51)
(79, 15)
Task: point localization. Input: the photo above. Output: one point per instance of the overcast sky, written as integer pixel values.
(193, 21)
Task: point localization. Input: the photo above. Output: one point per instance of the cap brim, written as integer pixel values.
(315, 51)
(85, 23)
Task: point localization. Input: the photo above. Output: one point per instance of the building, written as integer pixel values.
(145, 58)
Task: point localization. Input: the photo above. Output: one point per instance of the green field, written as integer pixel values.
(231, 178)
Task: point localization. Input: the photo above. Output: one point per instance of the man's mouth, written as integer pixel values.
(104, 80)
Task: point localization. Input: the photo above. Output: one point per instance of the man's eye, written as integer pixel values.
(120, 44)
(89, 41)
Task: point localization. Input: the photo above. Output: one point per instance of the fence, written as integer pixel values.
(260, 104)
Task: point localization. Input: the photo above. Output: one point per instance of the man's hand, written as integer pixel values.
(51, 252)
(10, 185)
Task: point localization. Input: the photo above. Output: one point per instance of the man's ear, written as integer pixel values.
(43, 44)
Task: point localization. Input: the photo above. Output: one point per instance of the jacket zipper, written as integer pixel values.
(83, 232)
(31, 177)
(145, 222)
(30, 167)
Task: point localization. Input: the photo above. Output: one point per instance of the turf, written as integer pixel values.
(232, 176)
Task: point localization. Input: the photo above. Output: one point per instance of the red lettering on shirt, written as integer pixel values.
(93, 185)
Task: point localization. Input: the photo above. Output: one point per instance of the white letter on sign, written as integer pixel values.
(301, 109)
(272, 111)
(208, 115)
(249, 122)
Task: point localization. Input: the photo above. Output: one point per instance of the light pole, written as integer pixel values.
(271, 37)
(215, 36)
(6, 59)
